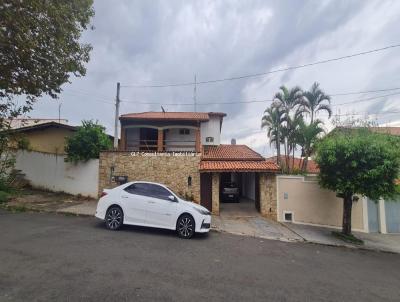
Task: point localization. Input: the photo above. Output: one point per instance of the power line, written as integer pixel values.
(366, 99)
(266, 73)
(366, 91)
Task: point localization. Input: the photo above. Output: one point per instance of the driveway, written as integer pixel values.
(47, 257)
(243, 219)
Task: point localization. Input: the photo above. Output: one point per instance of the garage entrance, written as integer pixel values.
(239, 193)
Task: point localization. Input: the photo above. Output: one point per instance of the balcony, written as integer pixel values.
(155, 139)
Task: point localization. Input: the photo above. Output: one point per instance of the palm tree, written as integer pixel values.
(307, 137)
(272, 120)
(316, 100)
(289, 100)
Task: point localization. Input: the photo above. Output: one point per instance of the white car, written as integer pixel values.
(153, 205)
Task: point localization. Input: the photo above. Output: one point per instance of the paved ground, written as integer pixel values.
(323, 235)
(54, 202)
(235, 218)
(243, 219)
(50, 257)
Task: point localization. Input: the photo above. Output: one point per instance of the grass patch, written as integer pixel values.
(348, 238)
(14, 209)
(4, 196)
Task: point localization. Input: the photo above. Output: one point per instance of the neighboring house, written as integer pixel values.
(312, 167)
(44, 163)
(183, 151)
(24, 122)
(46, 136)
(301, 200)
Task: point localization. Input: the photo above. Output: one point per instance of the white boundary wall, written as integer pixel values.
(310, 204)
(51, 172)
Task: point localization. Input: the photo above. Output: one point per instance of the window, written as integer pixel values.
(150, 190)
(184, 131)
(138, 189)
(209, 139)
(159, 192)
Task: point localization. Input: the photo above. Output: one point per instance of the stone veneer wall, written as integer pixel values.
(268, 196)
(215, 193)
(172, 171)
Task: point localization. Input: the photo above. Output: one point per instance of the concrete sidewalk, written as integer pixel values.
(323, 235)
(256, 226)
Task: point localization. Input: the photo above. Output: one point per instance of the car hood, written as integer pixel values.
(195, 205)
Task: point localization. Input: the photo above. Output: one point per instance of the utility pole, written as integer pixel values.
(117, 101)
(194, 94)
(59, 113)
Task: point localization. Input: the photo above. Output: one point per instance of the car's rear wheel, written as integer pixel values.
(114, 218)
(185, 226)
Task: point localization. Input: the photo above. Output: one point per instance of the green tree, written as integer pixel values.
(316, 100)
(272, 119)
(87, 142)
(40, 49)
(358, 162)
(307, 136)
(40, 46)
(289, 101)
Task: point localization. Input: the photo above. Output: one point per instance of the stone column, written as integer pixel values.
(160, 140)
(215, 193)
(268, 196)
(198, 141)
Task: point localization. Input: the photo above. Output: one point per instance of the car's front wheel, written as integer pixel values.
(114, 218)
(185, 226)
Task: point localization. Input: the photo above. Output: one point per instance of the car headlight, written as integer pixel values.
(203, 212)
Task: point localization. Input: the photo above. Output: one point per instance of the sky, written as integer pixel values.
(168, 42)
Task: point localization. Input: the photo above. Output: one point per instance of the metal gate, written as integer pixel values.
(373, 216)
(392, 211)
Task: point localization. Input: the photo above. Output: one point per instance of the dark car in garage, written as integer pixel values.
(230, 192)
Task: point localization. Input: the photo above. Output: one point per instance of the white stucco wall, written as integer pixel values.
(211, 128)
(50, 171)
(310, 204)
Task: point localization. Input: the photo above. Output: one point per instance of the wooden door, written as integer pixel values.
(206, 190)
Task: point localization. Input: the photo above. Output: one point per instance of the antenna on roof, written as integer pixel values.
(195, 94)
(162, 108)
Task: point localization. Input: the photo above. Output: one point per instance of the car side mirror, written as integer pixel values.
(172, 198)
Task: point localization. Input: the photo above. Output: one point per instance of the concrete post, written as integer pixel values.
(382, 217)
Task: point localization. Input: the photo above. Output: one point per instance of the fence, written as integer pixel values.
(51, 172)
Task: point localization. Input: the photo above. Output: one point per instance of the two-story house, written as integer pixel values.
(170, 131)
(183, 150)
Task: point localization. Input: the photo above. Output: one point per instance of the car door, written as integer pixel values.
(135, 202)
(161, 211)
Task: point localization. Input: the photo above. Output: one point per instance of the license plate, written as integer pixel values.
(230, 195)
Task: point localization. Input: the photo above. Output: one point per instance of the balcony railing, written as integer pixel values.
(167, 145)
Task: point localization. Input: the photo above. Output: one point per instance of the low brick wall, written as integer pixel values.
(172, 171)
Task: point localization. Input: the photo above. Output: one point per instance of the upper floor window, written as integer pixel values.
(184, 131)
(209, 139)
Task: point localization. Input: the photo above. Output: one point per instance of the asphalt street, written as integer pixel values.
(49, 257)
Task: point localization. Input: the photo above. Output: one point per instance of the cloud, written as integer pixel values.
(140, 42)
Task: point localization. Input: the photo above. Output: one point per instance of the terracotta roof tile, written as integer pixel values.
(312, 166)
(230, 152)
(386, 130)
(194, 116)
(249, 166)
